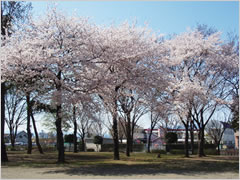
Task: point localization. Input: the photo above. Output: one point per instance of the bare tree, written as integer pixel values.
(16, 112)
(84, 124)
(98, 126)
(154, 118)
(157, 106)
(215, 129)
(85, 116)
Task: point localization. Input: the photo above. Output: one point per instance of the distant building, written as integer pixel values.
(43, 135)
(21, 138)
(139, 135)
(228, 139)
(157, 138)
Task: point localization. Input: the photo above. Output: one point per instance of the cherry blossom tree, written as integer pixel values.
(230, 66)
(54, 48)
(129, 50)
(196, 77)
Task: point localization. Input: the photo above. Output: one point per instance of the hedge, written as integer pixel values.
(209, 149)
(182, 146)
(122, 147)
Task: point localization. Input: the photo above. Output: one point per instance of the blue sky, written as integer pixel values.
(162, 16)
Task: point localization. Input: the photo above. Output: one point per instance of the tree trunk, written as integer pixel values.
(128, 128)
(218, 149)
(12, 139)
(60, 141)
(201, 142)
(4, 157)
(186, 139)
(75, 130)
(36, 134)
(149, 142)
(131, 143)
(83, 143)
(29, 134)
(115, 134)
(132, 134)
(201, 130)
(192, 136)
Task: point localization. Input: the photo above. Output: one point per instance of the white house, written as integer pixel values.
(21, 138)
(90, 145)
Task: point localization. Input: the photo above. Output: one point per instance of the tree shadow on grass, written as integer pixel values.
(50, 160)
(182, 168)
(91, 157)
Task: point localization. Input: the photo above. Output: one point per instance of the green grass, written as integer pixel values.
(96, 163)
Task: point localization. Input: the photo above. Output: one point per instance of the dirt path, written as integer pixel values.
(60, 173)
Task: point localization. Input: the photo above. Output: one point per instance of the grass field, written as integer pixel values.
(102, 163)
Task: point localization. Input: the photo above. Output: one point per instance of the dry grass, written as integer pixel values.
(98, 163)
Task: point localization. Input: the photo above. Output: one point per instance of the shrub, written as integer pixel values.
(171, 137)
(159, 151)
(210, 151)
(98, 140)
(177, 151)
(69, 138)
(49, 148)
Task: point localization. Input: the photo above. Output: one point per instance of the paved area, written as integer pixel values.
(68, 173)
